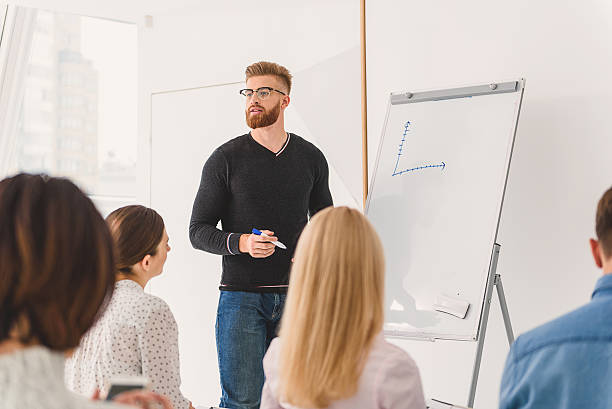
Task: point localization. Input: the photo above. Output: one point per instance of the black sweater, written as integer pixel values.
(246, 186)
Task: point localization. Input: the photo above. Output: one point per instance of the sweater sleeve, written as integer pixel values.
(320, 196)
(211, 200)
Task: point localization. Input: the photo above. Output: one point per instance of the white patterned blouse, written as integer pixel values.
(33, 378)
(136, 336)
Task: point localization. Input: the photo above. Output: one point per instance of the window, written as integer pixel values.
(77, 116)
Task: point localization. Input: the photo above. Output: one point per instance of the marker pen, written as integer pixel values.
(276, 243)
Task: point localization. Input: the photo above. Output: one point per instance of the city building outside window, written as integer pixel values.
(77, 116)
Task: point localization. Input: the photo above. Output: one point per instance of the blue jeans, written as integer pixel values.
(246, 324)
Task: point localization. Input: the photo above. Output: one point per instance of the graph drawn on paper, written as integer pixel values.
(441, 165)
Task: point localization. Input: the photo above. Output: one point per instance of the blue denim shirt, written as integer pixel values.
(566, 363)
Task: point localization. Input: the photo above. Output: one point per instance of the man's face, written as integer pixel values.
(261, 113)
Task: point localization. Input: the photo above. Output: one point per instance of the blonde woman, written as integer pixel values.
(331, 352)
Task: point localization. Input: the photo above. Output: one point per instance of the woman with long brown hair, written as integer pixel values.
(331, 352)
(56, 275)
(137, 335)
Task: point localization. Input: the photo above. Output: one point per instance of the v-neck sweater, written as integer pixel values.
(245, 185)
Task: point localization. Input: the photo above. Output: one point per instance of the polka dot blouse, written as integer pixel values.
(136, 336)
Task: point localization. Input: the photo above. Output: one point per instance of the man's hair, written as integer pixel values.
(136, 231)
(56, 262)
(270, 68)
(603, 223)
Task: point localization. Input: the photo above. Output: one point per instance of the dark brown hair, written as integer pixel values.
(56, 268)
(136, 231)
(270, 68)
(603, 222)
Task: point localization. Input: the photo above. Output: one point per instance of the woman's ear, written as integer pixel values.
(146, 262)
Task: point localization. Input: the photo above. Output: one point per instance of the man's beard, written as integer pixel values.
(265, 118)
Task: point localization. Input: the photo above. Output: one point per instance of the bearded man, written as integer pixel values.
(270, 180)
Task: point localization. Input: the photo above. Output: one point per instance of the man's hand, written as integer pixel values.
(258, 246)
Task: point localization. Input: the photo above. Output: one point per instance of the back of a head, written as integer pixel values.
(57, 261)
(136, 231)
(334, 308)
(603, 223)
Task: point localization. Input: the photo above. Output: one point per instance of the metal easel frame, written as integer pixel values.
(494, 280)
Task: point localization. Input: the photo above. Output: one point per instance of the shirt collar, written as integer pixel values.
(129, 285)
(603, 286)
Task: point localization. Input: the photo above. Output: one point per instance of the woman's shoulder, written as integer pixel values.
(390, 357)
(136, 308)
(397, 378)
(130, 297)
(270, 361)
(154, 303)
(273, 350)
(151, 308)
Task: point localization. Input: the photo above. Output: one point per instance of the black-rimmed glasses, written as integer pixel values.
(262, 92)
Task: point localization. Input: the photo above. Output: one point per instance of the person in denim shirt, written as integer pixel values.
(567, 362)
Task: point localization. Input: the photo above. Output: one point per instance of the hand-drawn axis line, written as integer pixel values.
(399, 153)
(442, 165)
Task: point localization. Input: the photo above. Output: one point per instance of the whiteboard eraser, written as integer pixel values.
(451, 305)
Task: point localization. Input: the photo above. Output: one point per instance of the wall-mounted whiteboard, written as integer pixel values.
(435, 199)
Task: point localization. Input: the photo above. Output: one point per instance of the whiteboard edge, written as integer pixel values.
(380, 145)
(490, 279)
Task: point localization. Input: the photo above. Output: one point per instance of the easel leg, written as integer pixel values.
(504, 308)
(494, 280)
(483, 323)
(483, 328)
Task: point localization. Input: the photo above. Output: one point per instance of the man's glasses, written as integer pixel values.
(262, 92)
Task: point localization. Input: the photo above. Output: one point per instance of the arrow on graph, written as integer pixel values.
(399, 153)
(442, 165)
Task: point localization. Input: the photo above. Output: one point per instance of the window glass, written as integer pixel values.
(78, 116)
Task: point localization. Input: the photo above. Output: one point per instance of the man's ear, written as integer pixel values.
(596, 250)
(286, 101)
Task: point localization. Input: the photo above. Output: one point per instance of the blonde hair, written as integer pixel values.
(270, 68)
(334, 308)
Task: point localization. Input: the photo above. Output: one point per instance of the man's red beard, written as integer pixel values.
(265, 118)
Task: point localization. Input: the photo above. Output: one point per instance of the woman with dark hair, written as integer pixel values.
(137, 335)
(56, 274)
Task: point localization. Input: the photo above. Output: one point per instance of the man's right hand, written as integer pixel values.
(258, 246)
